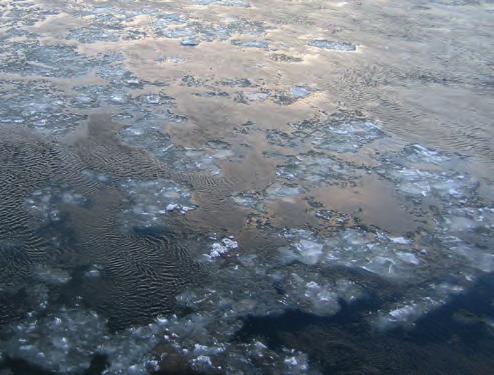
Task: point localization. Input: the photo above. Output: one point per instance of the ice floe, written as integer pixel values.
(333, 45)
(151, 201)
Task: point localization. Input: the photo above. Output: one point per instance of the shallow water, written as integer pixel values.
(244, 187)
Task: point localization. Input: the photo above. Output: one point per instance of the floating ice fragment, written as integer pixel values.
(152, 99)
(119, 99)
(309, 251)
(478, 258)
(250, 43)
(45, 204)
(161, 320)
(458, 220)
(223, 154)
(408, 257)
(189, 42)
(419, 153)
(259, 345)
(153, 200)
(405, 314)
(295, 363)
(414, 170)
(227, 3)
(400, 240)
(230, 243)
(258, 96)
(63, 342)
(303, 248)
(381, 265)
(291, 361)
(171, 207)
(374, 252)
(202, 361)
(94, 271)
(50, 275)
(217, 249)
(345, 136)
(222, 247)
(340, 133)
(333, 45)
(84, 99)
(324, 301)
(281, 57)
(279, 191)
(299, 92)
(248, 200)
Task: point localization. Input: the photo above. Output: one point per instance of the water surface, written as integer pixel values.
(246, 187)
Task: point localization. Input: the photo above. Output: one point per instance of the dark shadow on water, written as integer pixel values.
(21, 367)
(270, 327)
(468, 317)
(15, 366)
(454, 339)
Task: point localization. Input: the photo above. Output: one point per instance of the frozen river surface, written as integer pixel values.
(246, 187)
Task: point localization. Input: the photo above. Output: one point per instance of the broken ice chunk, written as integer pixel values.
(414, 170)
(421, 154)
(407, 257)
(249, 200)
(48, 340)
(376, 252)
(309, 251)
(296, 363)
(279, 191)
(189, 42)
(303, 248)
(50, 275)
(230, 243)
(405, 314)
(250, 43)
(221, 247)
(299, 92)
(257, 96)
(478, 258)
(333, 45)
(400, 240)
(152, 99)
(153, 200)
(119, 98)
(346, 136)
(324, 301)
(83, 99)
(341, 132)
(93, 272)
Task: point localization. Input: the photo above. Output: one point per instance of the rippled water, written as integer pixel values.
(246, 187)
